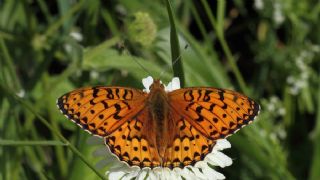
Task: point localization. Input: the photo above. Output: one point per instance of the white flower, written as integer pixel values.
(294, 90)
(290, 79)
(259, 4)
(173, 85)
(147, 83)
(68, 48)
(76, 35)
(94, 74)
(21, 93)
(282, 111)
(278, 14)
(315, 48)
(275, 106)
(201, 170)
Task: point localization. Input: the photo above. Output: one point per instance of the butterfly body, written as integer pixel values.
(159, 128)
(160, 124)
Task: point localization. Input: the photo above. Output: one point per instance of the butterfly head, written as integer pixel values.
(156, 85)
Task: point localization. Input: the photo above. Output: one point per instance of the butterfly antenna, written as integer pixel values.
(134, 59)
(142, 67)
(175, 61)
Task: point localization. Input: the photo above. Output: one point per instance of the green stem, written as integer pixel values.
(8, 61)
(233, 64)
(43, 7)
(109, 20)
(200, 25)
(218, 28)
(61, 160)
(56, 25)
(175, 47)
(30, 143)
(220, 16)
(315, 165)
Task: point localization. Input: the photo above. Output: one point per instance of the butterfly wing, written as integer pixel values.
(117, 114)
(215, 113)
(204, 115)
(101, 110)
(134, 142)
(188, 147)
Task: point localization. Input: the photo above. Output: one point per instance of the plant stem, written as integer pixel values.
(175, 47)
(31, 143)
(218, 27)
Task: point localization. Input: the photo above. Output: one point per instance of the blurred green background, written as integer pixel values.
(266, 49)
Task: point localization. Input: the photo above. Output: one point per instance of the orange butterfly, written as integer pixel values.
(159, 129)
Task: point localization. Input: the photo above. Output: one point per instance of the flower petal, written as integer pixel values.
(147, 83)
(222, 144)
(198, 173)
(188, 174)
(115, 175)
(166, 173)
(175, 83)
(131, 175)
(168, 88)
(142, 174)
(209, 172)
(219, 159)
(153, 175)
(177, 173)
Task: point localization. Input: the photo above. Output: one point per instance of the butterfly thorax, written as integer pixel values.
(159, 111)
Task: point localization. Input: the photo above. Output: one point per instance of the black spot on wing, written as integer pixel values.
(109, 93)
(95, 92)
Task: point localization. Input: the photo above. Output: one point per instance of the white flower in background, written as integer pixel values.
(76, 35)
(68, 48)
(282, 111)
(299, 80)
(201, 170)
(94, 74)
(278, 16)
(315, 48)
(259, 4)
(274, 109)
(275, 106)
(276, 7)
(21, 93)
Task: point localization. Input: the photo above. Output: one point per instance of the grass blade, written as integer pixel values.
(175, 47)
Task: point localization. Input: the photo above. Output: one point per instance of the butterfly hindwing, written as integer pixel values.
(131, 143)
(188, 147)
(101, 110)
(215, 113)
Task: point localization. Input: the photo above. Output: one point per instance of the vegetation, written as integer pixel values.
(269, 50)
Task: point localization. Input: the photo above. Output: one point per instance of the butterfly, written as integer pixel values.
(159, 128)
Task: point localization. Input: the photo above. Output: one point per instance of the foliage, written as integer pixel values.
(267, 49)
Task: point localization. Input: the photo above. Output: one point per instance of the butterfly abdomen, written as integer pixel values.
(159, 112)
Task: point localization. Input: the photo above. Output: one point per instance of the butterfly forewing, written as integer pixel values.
(101, 110)
(215, 113)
